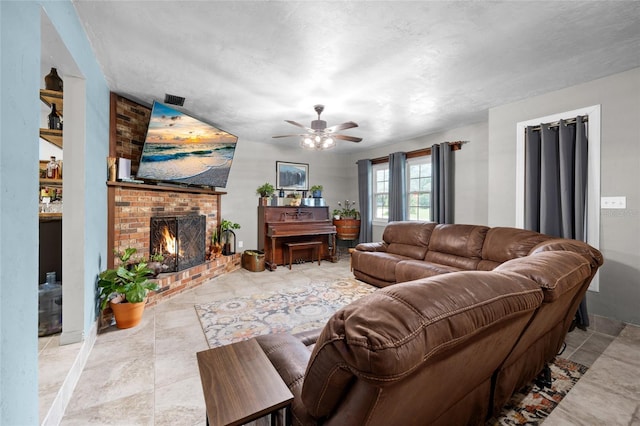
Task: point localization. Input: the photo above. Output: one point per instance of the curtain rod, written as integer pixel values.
(455, 146)
(585, 119)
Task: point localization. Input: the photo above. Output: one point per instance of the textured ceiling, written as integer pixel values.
(398, 69)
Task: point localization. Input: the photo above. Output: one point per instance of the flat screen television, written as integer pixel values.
(181, 149)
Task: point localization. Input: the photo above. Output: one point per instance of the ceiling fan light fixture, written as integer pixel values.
(320, 137)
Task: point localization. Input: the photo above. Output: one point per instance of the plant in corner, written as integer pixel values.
(347, 221)
(125, 289)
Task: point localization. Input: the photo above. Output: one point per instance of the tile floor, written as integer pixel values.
(148, 375)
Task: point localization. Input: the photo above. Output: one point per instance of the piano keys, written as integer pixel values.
(285, 224)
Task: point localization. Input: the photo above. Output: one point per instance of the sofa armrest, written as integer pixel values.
(377, 246)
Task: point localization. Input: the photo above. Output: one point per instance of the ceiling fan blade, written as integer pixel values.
(286, 136)
(299, 125)
(343, 126)
(346, 138)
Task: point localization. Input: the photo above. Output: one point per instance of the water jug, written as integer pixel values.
(50, 306)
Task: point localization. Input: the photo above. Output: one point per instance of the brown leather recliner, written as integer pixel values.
(422, 352)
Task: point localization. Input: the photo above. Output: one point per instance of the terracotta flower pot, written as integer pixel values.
(127, 314)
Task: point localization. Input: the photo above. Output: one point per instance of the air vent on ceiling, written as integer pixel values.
(173, 99)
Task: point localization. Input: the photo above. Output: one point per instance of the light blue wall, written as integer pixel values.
(20, 80)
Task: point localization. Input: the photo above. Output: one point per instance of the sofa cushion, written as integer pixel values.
(593, 255)
(502, 244)
(555, 272)
(409, 270)
(385, 336)
(459, 246)
(379, 265)
(408, 239)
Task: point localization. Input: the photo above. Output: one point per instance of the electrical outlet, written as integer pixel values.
(240, 244)
(613, 202)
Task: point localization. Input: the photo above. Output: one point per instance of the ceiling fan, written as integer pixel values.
(319, 136)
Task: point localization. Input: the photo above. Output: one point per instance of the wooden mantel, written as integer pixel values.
(160, 187)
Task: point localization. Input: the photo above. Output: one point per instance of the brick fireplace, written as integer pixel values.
(131, 208)
(132, 205)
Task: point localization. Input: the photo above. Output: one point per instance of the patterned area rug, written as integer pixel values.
(532, 404)
(297, 309)
(290, 310)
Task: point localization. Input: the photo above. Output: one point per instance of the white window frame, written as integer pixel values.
(593, 173)
(423, 159)
(381, 166)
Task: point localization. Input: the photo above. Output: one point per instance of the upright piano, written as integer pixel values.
(284, 224)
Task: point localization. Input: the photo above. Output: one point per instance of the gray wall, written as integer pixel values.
(619, 97)
(254, 163)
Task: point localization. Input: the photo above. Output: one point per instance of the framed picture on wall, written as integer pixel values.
(292, 176)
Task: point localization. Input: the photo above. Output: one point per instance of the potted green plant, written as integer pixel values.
(125, 289)
(265, 191)
(348, 223)
(316, 191)
(228, 237)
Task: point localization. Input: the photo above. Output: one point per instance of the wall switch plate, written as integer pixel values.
(613, 202)
(240, 244)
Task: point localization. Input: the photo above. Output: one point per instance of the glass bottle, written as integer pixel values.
(54, 118)
(52, 81)
(52, 168)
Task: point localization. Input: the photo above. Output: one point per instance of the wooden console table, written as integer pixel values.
(240, 384)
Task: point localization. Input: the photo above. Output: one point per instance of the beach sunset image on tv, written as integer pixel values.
(181, 149)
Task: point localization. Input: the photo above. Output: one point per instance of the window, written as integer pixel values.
(419, 188)
(381, 192)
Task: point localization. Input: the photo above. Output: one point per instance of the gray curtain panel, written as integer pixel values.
(441, 183)
(364, 199)
(397, 186)
(556, 184)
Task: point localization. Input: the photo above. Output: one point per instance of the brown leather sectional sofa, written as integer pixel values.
(474, 313)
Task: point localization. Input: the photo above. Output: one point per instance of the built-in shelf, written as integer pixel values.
(45, 181)
(52, 135)
(46, 217)
(52, 97)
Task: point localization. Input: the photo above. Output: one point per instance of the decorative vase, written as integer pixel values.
(52, 81)
(127, 314)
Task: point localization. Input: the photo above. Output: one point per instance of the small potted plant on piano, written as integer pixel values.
(316, 191)
(265, 192)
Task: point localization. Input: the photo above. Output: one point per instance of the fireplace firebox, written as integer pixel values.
(180, 239)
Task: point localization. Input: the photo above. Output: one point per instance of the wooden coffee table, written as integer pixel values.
(240, 384)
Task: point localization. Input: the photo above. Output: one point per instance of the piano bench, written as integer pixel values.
(291, 247)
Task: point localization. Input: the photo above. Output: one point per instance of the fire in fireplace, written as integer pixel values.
(180, 239)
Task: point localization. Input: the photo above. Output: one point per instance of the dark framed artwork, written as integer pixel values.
(292, 176)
